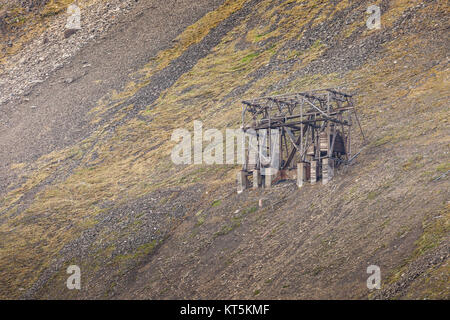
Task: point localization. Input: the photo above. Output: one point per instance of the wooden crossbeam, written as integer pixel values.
(339, 93)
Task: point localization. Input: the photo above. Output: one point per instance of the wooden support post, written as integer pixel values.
(330, 169)
(268, 178)
(301, 174)
(242, 181)
(256, 179)
(328, 129)
(325, 171)
(313, 171)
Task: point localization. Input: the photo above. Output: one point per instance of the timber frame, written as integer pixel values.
(314, 129)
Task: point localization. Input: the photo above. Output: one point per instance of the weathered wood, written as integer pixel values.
(307, 123)
(325, 171)
(313, 172)
(301, 174)
(242, 181)
(256, 179)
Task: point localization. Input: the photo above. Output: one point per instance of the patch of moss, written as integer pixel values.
(140, 252)
(413, 163)
(372, 195)
(435, 228)
(235, 223)
(216, 203)
(250, 210)
(200, 221)
(248, 58)
(443, 167)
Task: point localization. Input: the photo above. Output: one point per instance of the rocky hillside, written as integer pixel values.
(86, 177)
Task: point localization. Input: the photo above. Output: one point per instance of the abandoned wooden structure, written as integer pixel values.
(305, 135)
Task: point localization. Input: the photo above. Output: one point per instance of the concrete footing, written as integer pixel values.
(256, 179)
(301, 174)
(325, 171)
(310, 171)
(241, 181)
(269, 175)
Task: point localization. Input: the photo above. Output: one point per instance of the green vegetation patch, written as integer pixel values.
(248, 58)
(140, 252)
(216, 203)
